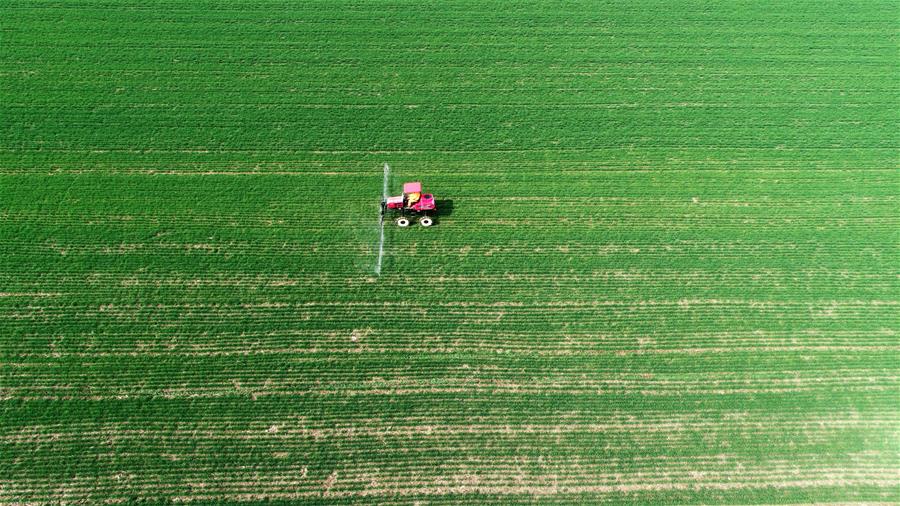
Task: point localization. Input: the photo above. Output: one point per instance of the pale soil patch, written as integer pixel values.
(359, 334)
(329, 482)
(284, 282)
(121, 249)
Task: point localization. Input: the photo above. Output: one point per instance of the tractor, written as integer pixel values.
(412, 204)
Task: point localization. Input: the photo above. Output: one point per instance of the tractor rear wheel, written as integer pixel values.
(425, 221)
(402, 222)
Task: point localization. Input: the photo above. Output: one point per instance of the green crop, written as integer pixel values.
(664, 271)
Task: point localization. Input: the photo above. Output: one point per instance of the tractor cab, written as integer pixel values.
(412, 201)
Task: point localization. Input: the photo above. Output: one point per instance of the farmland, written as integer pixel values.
(666, 269)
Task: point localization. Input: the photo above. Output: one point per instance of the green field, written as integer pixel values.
(667, 269)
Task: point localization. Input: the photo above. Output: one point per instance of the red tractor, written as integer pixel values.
(413, 203)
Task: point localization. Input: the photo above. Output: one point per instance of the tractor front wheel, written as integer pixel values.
(425, 221)
(402, 222)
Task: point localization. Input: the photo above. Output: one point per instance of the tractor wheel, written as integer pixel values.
(402, 222)
(425, 221)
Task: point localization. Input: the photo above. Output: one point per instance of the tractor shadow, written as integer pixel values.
(444, 209)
